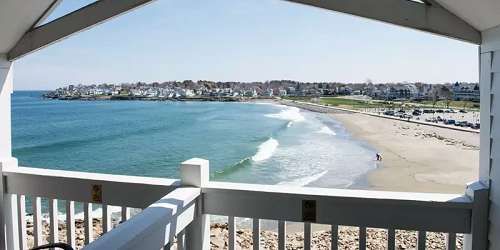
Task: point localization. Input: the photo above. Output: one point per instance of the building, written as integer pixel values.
(466, 92)
(401, 91)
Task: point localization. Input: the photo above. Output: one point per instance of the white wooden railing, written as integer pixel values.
(181, 209)
(422, 212)
(90, 189)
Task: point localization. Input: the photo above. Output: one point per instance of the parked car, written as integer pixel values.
(462, 111)
(439, 111)
(389, 112)
(416, 112)
(449, 122)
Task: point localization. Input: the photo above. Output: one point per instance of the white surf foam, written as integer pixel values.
(300, 182)
(266, 150)
(326, 130)
(289, 114)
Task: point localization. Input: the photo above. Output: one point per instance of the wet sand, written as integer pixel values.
(416, 158)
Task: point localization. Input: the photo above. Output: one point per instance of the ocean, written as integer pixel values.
(244, 142)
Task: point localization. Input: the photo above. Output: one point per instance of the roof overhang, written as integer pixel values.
(17, 17)
(458, 19)
(425, 15)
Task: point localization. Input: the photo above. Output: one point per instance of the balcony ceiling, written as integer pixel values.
(18, 16)
(481, 14)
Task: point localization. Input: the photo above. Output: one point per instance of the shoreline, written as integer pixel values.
(160, 99)
(416, 157)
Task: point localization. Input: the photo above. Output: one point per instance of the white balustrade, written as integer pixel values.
(21, 208)
(335, 237)
(106, 218)
(53, 221)
(89, 222)
(36, 203)
(256, 234)
(307, 236)
(180, 209)
(70, 223)
(232, 233)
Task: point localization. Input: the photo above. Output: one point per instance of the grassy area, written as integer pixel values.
(362, 104)
(343, 102)
(353, 104)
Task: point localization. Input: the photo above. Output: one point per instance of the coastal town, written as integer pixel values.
(236, 91)
(450, 104)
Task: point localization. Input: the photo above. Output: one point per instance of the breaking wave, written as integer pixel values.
(266, 150)
(326, 130)
(300, 182)
(289, 114)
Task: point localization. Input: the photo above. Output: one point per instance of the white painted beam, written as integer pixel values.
(8, 210)
(70, 24)
(425, 17)
(6, 89)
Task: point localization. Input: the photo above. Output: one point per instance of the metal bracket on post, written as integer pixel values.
(478, 238)
(195, 172)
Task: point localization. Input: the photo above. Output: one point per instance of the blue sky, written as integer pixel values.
(244, 40)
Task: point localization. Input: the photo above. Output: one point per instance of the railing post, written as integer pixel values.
(478, 238)
(9, 232)
(195, 172)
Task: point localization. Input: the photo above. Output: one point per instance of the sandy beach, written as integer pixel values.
(416, 157)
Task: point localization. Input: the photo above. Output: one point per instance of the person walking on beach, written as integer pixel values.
(379, 157)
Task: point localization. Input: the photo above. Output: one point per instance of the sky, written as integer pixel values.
(243, 40)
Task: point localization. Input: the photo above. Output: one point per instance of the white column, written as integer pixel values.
(9, 208)
(195, 172)
(490, 128)
(6, 72)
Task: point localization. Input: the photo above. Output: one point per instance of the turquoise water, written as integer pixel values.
(245, 142)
